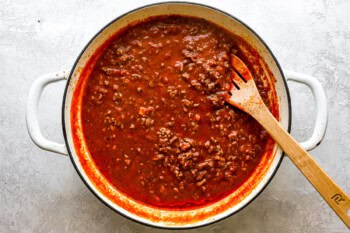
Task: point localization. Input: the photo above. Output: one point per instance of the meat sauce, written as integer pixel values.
(154, 119)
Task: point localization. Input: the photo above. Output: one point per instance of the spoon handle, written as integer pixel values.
(329, 190)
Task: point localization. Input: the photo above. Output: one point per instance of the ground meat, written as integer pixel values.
(154, 118)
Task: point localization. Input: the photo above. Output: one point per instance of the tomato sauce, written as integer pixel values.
(154, 119)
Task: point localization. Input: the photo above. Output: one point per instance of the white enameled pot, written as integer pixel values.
(169, 218)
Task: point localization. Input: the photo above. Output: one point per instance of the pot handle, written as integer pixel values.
(321, 106)
(32, 112)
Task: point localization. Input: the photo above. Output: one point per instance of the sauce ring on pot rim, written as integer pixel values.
(147, 128)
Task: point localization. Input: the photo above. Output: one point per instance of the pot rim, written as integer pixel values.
(64, 109)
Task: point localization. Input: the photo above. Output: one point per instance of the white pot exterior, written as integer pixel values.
(121, 203)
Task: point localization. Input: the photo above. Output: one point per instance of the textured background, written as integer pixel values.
(41, 192)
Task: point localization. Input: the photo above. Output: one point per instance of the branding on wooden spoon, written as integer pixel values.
(337, 198)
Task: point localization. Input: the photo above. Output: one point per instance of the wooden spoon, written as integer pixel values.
(245, 96)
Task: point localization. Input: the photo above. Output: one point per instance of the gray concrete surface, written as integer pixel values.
(41, 192)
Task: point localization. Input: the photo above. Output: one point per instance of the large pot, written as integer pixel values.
(168, 218)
